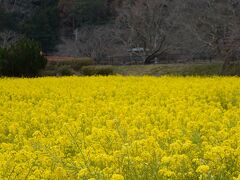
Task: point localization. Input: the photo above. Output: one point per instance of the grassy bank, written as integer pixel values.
(206, 69)
(169, 69)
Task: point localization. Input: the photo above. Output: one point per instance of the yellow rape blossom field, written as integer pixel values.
(120, 128)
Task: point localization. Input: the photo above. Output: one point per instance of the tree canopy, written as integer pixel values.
(43, 26)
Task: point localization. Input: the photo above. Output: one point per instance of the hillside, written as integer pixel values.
(153, 31)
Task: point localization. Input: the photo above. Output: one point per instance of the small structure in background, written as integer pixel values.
(76, 34)
(137, 54)
(137, 50)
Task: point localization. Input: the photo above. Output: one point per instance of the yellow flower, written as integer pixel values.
(60, 173)
(203, 169)
(238, 178)
(167, 173)
(82, 173)
(115, 127)
(117, 177)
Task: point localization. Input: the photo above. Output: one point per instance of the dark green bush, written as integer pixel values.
(93, 71)
(45, 73)
(65, 71)
(76, 64)
(22, 59)
(88, 71)
(105, 71)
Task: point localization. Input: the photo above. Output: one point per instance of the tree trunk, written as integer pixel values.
(227, 60)
(149, 58)
(225, 65)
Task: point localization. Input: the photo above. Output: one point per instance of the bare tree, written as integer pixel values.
(216, 24)
(8, 37)
(146, 24)
(96, 42)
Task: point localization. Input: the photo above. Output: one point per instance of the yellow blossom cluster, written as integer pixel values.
(120, 128)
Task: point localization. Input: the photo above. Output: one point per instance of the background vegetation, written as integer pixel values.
(22, 59)
(128, 30)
